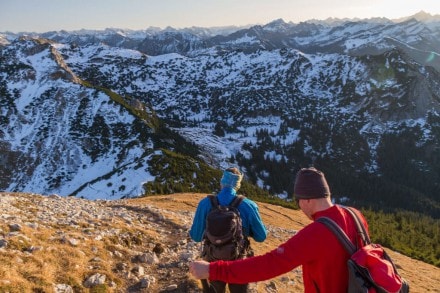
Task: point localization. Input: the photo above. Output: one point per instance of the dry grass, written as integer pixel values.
(51, 259)
(38, 258)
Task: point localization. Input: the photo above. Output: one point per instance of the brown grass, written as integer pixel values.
(53, 261)
(43, 256)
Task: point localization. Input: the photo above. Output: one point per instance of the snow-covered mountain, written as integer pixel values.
(58, 134)
(83, 113)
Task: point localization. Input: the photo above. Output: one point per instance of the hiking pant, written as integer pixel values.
(220, 287)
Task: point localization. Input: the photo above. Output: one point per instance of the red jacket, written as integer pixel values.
(315, 247)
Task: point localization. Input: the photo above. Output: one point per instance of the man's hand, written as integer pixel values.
(199, 269)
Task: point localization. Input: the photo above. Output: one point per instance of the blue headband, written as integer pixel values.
(231, 180)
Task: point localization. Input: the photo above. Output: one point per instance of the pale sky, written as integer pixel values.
(55, 15)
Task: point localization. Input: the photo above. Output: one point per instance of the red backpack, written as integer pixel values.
(370, 268)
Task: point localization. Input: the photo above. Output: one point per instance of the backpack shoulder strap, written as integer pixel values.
(236, 201)
(214, 200)
(360, 227)
(339, 233)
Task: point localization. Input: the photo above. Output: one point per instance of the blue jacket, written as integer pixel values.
(252, 224)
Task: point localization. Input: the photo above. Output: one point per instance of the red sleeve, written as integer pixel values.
(249, 270)
(287, 256)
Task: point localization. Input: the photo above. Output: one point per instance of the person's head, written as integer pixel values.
(311, 191)
(231, 178)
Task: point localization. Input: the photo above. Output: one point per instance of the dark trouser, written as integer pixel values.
(220, 287)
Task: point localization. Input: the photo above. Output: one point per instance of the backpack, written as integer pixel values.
(370, 268)
(223, 236)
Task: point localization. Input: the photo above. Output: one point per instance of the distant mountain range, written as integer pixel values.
(94, 113)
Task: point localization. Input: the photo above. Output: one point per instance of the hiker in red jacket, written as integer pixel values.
(315, 247)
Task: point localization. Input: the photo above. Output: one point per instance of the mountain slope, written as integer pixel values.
(88, 114)
(57, 131)
(132, 245)
(284, 107)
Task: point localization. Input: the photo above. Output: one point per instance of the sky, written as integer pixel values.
(54, 15)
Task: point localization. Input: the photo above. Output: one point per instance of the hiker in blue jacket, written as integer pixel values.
(252, 224)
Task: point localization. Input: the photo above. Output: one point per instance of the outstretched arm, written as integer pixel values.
(253, 269)
(300, 248)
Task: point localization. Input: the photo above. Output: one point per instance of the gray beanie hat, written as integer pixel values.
(310, 183)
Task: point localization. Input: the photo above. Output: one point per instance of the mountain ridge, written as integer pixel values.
(270, 99)
(420, 16)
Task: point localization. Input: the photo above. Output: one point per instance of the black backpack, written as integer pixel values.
(223, 236)
(369, 266)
